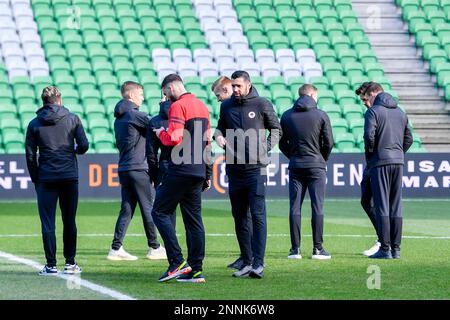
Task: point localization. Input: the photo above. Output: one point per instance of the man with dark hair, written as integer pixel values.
(244, 119)
(307, 142)
(366, 190)
(57, 136)
(188, 175)
(223, 90)
(386, 137)
(131, 128)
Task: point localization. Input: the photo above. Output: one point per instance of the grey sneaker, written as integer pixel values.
(71, 269)
(395, 254)
(257, 273)
(244, 272)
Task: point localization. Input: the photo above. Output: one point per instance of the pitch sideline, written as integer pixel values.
(87, 284)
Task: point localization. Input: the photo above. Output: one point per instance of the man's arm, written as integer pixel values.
(152, 146)
(174, 134)
(272, 124)
(326, 143)
(407, 137)
(285, 145)
(370, 127)
(31, 153)
(80, 138)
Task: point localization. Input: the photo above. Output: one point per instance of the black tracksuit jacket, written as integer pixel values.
(59, 136)
(307, 135)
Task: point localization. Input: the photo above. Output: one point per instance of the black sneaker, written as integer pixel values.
(321, 254)
(395, 254)
(382, 254)
(175, 272)
(49, 271)
(193, 276)
(294, 254)
(257, 273)
(238, 264)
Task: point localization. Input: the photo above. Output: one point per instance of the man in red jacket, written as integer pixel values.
(188, 175)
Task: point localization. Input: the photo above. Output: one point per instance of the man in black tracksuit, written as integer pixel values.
(307, 141)
(244, 119)
(366, 189)
(131, 128)
(53, 140)
(386, 137)
(188, 175)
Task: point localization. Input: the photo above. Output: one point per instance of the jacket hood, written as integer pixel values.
(251, 95)
(304, 103)
(386, 100)
(50, 114)
(164, 109)
(122, 107)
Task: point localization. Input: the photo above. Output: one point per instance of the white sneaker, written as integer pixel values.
(294, 254)
(120, 255)
(372, 250)
(157, 254)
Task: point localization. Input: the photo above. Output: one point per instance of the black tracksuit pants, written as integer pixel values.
(135, 189)
(48, 194)
(386, 182)
(367, 200)
(186, 191)
(247, 191)
(300, 180)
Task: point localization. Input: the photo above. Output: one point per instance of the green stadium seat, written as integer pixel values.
(352, 111)
(326, 97)
(339, 125)
(344, 140)
(321, 83)
(332, 110)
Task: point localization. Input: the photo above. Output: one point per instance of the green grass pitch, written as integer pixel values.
(422, 272)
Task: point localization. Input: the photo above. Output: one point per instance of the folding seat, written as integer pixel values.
(276, 83)
(233, 30)
(7, 112)
(227, 68)
(238, 42)
(22, 10)
(251, 67)
(292, 70)
(223, 56)
(181, 55)
(285, 56)
(244, 56)
(169, 66)
(206, 16)
(161, 55)
(305, 56)
(312, 70)
(352, 111)
(218, 42)
(187, 69)
(353, 69)
(203, 56)
(6, 23)
(269, 69)
(207, 69)
(346, 97)
(332, 110)
(344, 140)
(9, 37)
(264, 55)
(223, 5)
(339, 125)
(203, 5)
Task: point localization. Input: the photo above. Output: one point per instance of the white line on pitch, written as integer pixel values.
(94, 287)
(226, 235)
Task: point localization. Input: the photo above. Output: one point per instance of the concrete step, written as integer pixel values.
(430, 120)
(373, 22)
(398, 37)
(413, 90)
(437, 147)
(397, 75)
(396, 51)
(396, 64)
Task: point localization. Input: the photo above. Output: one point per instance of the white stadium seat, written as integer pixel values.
(264, 55)
(203, 56)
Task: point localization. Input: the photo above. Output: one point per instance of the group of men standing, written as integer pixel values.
(181, 172)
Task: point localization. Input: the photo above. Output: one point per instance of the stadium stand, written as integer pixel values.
(88, 48)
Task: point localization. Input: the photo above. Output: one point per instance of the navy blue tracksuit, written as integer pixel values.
(130, 129)
(307, 141)
(188, 123)
(57, 136)
(387, 137)
(367, 199)
(245, 166)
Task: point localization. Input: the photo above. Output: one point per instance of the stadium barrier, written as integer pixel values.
(426, 175)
